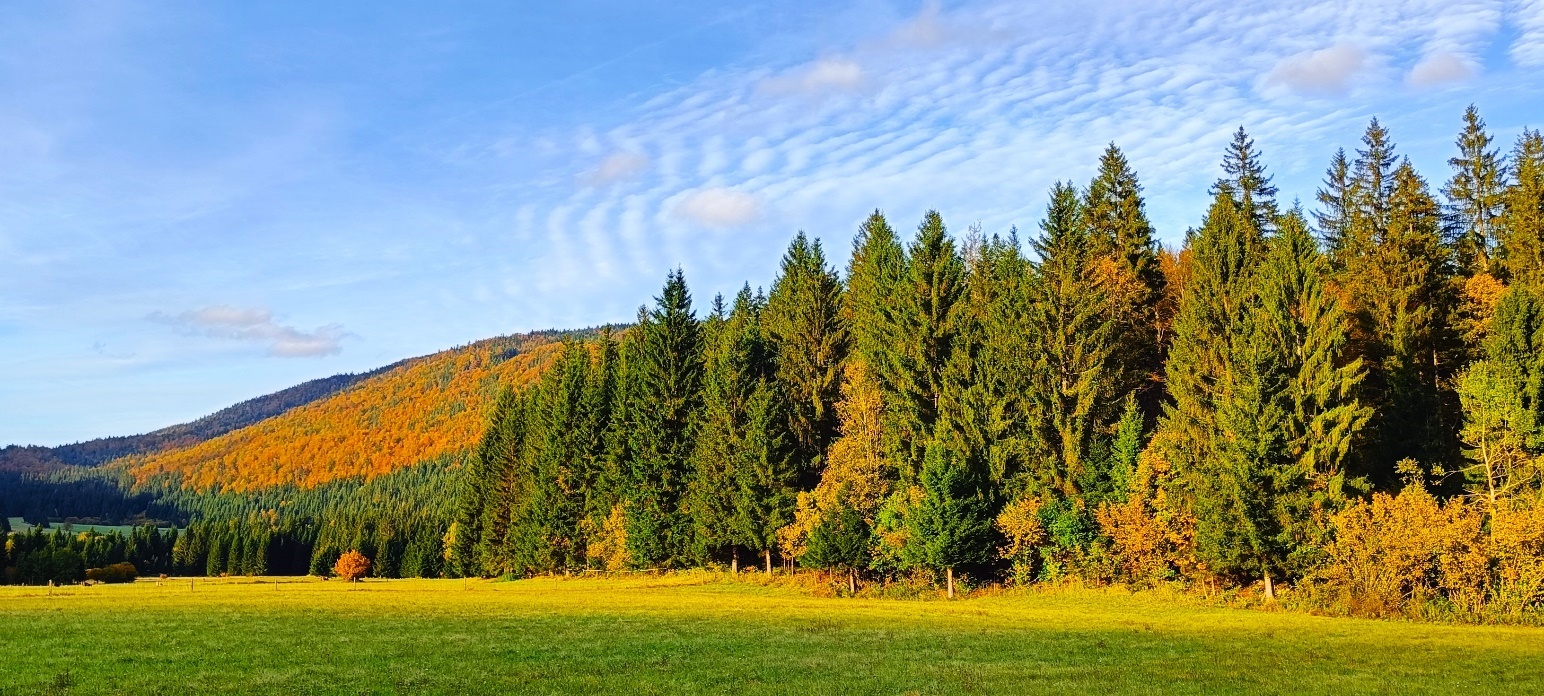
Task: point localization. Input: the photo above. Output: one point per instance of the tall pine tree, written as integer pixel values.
(804, 327)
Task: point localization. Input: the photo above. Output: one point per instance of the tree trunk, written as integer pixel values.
(768, 552)
(1270, 589)
(852, 581)
(949, 572)
(734, 561)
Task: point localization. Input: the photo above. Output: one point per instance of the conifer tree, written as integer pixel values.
(874, 275)
(1476, 195)
(1337, 202)
(666, 395)
(840, 541)
(925, 332)
(1515, 345)
(495, 463)
(951, 526)
(1074, 335)
(1245, 178)
(737, 363)
(766, 475)
(1522, 225)
(1121, 233)
(804, 327)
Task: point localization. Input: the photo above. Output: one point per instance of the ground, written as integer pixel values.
(706, 634)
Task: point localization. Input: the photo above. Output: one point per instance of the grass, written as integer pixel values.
(702, 634)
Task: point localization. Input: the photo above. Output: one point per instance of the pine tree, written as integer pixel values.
(1337, 202)
(804, 327)
(874, 276)
(1476, 196)
(665, 362)
(951, 527)
(765, 473)
(1245, 179)
(1074, 335)
(840, 541)
(924, 333)
(1521, 244)
(737, 362)
(1515, 345)
(1129, 274)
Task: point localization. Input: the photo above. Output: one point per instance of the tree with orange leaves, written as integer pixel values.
(351, 566)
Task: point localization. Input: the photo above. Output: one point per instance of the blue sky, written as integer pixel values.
(204, 202)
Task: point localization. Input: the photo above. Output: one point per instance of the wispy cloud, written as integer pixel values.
(257, 325)
(831, 74)
(617, 166)
(1439, 69)
(719, 207)
(1528, 48)
(1328, 71)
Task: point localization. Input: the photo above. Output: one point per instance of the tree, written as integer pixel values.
(1521, 243)
(1246, 180)
(665, 395)
(922, 339)
(352, 566)
(1127, 270)
(1501, 434)
(1476, 196)
(765, 473)
(874, 275)
(840, 541)
(951, 526)
(804, 327)
(1074, 335)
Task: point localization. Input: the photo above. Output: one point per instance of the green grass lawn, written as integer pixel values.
(698, 634)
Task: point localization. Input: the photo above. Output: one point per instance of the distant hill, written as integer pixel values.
(415, 411)
(99, 451)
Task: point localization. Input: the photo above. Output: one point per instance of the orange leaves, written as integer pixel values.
(428, 408)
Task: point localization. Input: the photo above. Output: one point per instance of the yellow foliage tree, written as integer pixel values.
(351, 566)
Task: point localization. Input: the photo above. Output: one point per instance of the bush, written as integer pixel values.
(117, 572)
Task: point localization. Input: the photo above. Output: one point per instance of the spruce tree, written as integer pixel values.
(1245, 178)
(874, 275)
(951, 526)
(1120, 233)
(666, 395)
(1522, 225)
(1074, 336)
(924, 334)
(804, 327)
(1476, 195)
(1337, 202)
(1515, 345)
(765, 473)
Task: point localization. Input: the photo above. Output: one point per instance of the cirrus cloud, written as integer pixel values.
(1328, 71)
(1440, 69)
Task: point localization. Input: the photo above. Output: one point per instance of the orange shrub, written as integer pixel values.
(351, 566)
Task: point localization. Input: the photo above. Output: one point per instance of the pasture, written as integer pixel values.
(700, 633)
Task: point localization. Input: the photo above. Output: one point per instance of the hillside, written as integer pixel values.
(102, 450)
(415, 411)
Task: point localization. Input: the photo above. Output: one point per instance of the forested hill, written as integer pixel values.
(101, 450)
(415, 411)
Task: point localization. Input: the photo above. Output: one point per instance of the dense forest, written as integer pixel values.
(1343, 398)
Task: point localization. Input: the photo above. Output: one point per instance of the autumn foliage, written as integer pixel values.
(428, 408)
(351, 566)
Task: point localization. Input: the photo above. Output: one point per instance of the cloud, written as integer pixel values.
(617, 166)
(719, 207)
(257, 326)
(832, 74)
(1528, 48)
(1328, 71)
(928, 30)
(1440, 69)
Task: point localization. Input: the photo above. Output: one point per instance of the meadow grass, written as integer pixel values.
(706, 634)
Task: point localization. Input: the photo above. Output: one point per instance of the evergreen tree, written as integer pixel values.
(1337, 202)
(1245, 179)
(951, 526)
(923, 336)
(1120, 233)
(1074, 335)
(874, 276)
(1522, 226)
(808, 338)
(665, 362)
(765, 473)
(840, 541)
(1515, 345)
(1476, 195)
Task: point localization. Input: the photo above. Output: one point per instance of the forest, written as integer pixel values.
(1342, 400)
(1335, 404)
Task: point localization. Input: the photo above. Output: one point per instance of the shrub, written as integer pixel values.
(117, 572)
(351, 566)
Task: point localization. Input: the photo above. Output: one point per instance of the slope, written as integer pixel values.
(420, 410)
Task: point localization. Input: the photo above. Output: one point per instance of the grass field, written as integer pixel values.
(698, 634)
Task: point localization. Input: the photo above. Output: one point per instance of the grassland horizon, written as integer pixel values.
(703, 633)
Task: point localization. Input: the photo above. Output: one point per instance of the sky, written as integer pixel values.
(205, 202)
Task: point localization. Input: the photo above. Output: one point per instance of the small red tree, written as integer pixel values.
(351, 566)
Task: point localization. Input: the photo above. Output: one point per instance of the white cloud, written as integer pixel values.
(719, 207)
(1528, 48)
(831, 74)
(257, 326)
(1440, 69)
(1328, 71)
(618, 166)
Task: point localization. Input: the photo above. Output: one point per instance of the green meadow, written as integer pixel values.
(706, 634)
